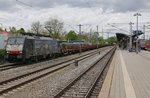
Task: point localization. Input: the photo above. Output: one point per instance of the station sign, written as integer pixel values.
(139, 32)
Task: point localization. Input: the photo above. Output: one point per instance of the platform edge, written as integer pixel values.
(104, 93)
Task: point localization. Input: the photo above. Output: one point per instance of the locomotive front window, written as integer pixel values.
(15, 40)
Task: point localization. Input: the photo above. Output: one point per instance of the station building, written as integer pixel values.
(3, 39)
(124, 40)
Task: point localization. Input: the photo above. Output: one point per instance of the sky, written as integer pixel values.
(89, 13)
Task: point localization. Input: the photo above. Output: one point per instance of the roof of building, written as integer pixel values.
(4, 32)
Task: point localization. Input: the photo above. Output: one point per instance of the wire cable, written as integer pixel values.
(24, 3)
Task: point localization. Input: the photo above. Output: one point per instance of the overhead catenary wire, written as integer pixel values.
(23, 3)
(118, 28)
(73, 28)
(84, 29)
(97, 15)
(88, 4)
(87, 27)
(93, 10)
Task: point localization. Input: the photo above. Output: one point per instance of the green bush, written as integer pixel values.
(2, 52)
(148, 43)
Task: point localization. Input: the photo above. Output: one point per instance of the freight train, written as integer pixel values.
(34, 48)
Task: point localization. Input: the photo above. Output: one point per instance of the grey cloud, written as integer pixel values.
(115, 5)
(6, 5)
(125, 5)
(10, 4)
(53, 3)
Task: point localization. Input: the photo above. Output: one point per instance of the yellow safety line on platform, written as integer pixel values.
(129, 90)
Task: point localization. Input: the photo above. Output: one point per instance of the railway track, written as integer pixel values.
(17, 65)
(19, 81)
(86, 84)
(148, 49)
(10, 66)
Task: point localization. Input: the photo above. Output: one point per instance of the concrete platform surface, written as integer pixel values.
(130, 77)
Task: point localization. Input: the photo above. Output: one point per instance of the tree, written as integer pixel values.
(63, 34)
(37, 27)
(1, 29)
(13, 30)
(54, 27)
(45, 33)
(83, 37)
(148, 43)
(20, 31)
(101, 41)
(71, 36)
(112, 40)
(94, 38)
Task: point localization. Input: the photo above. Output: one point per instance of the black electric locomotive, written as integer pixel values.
(30, 48)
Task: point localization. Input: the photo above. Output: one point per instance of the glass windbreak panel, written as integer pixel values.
(15, 40)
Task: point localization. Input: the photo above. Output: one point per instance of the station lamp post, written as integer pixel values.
(137, 15)
(131, 31)
(80, 33)
(144, 31)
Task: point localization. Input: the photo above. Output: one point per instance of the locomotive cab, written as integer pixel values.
(14, 48)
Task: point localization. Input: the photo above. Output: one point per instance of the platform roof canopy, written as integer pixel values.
(121, 36)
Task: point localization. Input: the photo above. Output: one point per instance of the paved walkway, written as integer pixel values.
(130, 77)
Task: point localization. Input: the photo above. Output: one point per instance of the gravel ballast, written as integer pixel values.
(48, 85)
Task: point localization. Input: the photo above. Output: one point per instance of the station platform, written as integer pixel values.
(128, 76)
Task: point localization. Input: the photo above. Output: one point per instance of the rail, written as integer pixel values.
(76, 79)
(13, 83)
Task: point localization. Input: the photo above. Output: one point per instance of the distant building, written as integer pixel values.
(3, 39)
(124, 41)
